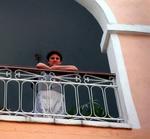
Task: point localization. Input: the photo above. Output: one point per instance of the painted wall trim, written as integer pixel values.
(117, 66)
(107, 21)
(100, 11)
(63, 121)
(122, 29)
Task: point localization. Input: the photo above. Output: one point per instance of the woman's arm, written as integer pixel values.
(57, 67)
(42, 66)
(64, 67)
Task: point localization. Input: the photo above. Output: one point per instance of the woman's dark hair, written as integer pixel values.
(54, 52)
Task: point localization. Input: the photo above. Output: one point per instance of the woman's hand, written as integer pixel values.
(42, 66)
(64, 67)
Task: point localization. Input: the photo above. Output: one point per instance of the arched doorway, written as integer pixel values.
(36, 27)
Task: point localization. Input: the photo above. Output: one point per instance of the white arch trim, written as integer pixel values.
(100, 10)
(110, 43)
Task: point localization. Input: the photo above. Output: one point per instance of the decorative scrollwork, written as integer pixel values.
(5, 73)
(96, 80)
(21, 74)
(73, 78)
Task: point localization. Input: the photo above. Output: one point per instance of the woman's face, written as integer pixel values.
(54, 60)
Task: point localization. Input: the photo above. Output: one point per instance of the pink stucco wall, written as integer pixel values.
(136, 51)
(131, 11)
(12, 130)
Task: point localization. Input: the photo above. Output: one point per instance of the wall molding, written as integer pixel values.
(123, 29)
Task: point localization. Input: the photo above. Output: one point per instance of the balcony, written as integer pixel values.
(76, 98)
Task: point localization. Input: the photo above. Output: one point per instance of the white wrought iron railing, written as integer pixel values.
(68, 97)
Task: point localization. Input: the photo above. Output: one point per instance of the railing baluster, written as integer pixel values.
(78, 96)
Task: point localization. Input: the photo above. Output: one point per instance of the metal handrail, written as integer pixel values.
(82, 95)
